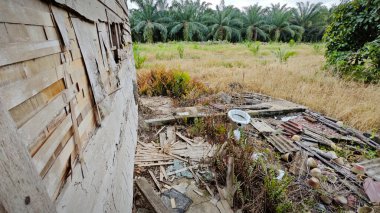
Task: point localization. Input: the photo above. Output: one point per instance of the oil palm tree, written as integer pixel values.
(278, 20)
(224, 23)
(147, 20)
(254, 23)
(186, 19)
(312, 17)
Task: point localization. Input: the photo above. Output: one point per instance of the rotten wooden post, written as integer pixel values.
(21, 188)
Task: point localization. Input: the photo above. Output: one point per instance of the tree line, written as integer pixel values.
(195, 20)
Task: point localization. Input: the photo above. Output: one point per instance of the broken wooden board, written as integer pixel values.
(150, 195)
(84, 32)
(261, 126)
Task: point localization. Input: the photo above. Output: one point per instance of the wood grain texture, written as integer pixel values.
(59, 17)
(30, 130)
(41, 158)
(21, 188)
(13, 12)
(21, 51)
(84, 32)
(20, 91)
(150, 195)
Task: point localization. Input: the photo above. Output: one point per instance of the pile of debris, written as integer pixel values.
(337, 164)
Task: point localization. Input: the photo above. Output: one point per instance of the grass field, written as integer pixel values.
(301, 79)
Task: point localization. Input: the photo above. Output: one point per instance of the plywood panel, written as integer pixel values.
(21, 51)
(12, 12)
(20, 91)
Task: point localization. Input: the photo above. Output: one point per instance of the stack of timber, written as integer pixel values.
(169, 148)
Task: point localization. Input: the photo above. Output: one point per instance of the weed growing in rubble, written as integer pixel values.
(276, 191)
(216, 128)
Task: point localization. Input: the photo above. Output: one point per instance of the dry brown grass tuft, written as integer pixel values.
(301, 80)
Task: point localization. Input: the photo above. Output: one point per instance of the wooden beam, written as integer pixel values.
(147, 190)
(21, 188)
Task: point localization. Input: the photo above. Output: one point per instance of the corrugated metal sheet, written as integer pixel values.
(282, 144)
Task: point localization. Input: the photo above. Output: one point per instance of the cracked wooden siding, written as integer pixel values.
(67, 79)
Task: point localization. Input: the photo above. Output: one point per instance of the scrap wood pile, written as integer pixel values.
(327, 166)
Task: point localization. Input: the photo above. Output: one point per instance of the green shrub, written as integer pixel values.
(353, 41)
(139, 59)
(174, 83)
(317, 48)
(283, 55)
(254, 47)
(181, 50)
(292, 43)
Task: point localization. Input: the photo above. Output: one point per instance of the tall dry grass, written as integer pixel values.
(301, 80)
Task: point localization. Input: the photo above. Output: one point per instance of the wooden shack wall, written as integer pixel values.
(62, 65)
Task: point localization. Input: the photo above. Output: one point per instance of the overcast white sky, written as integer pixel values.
(243, 3)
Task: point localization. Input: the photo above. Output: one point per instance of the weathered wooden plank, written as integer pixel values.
(21, 188)
(47, 150)
(54, 178)
(86, 128)
(42, 137)
(92, 10)
(151, 196)
(89, 52)
(12, 12)
(4, 37)
(27, 69)
(24, 111)
(115, 8)
(59, 17)
(36, 33)
(20, 91)
(17, 32)
(30, 130)
(51, 33)
(15, 52)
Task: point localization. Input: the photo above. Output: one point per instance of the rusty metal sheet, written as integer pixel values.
(282, 144)
(291, 128)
